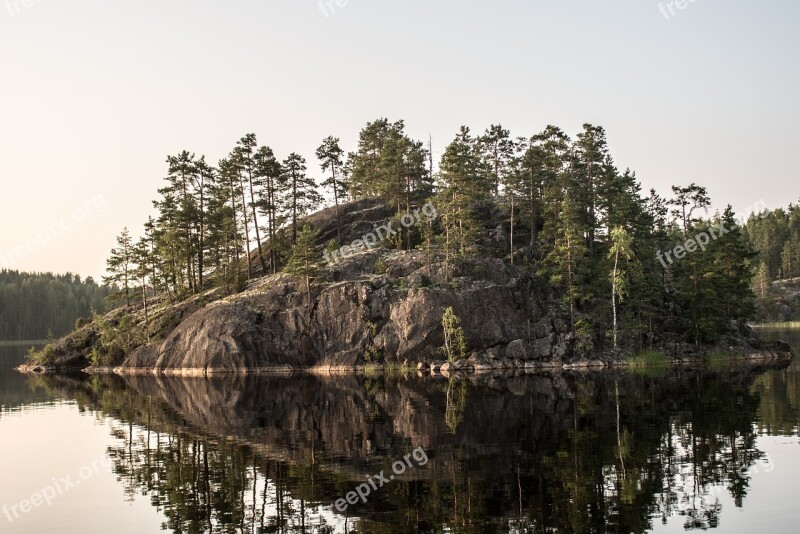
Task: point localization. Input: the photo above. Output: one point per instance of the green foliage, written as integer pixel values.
(305, 258)
(712, 288)
(456, 403)
(117, 339)
(380, 266)
(463, 185)
(389, 164)
(45, 356)
(584, 336)
(120, 265)
(775, 234)
(621, 253)
(373, 354)
(647, 358)
(455, 345)
(331, 246)
(566, 262)
(330, 156)
(299, 192)
(79, 339)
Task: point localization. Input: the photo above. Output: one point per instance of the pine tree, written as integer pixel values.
(515, 182)
(140, 258)
(390, 165)
(181, 174)
(463, 185)
(366, 161)
(564, 264)
(203, 182)
(236, 178)
(229, 182)
(403, 175)
(305, 258)
(589, 172)
(121, 263)
(735, 261)
(713, 287)
(151, 258)
(544, 169)
(330, 155)
(790, 258)
(761, 282)
(271, 181)
(688, 200)
(497, 150)
(300, 191)
(244, 157)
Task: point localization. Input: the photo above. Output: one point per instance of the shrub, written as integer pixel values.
(117, 339)
(455, 345)
(372, 354)
(380, 266)
(46, 356)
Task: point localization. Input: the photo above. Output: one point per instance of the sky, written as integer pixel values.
(95, 94)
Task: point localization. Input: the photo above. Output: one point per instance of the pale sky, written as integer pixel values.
(95, 94)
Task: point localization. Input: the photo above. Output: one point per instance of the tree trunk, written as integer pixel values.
(569, 282)
(294, 210)
(511, 232)
(201, 237)
(336, 202)
(235, 228)
(246, 229)
(146, 314)
(614, 296)
(255, 221)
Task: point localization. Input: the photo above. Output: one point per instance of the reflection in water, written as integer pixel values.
(15, 389)
(543, 453)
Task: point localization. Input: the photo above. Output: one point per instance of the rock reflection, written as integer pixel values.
(557, 452)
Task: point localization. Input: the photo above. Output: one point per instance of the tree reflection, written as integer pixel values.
(550, 453)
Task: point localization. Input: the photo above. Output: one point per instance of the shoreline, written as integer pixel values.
(438, 368)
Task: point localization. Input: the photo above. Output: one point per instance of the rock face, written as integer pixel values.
(389, 307)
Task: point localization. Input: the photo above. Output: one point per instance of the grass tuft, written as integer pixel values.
(646, 359)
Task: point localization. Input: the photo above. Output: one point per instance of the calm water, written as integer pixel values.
(662, 451)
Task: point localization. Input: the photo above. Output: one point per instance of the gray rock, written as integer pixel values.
(516, 350)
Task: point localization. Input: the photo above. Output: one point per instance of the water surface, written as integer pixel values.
(656, 451)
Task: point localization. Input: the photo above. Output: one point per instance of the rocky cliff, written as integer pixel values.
(376, 306)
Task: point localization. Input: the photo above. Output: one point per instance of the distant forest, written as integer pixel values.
(775, 235)
(35, 305)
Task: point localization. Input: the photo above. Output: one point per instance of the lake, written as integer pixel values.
(662, 450)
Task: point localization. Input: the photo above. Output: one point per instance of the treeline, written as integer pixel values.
(776, 236)
(38, 305)
(551, 204)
